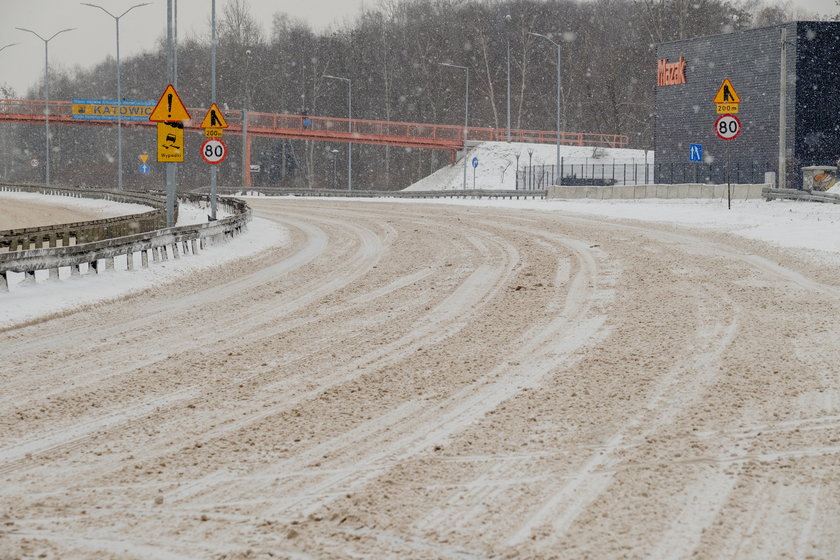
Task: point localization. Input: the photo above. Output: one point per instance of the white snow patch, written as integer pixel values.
(105, 207)
(497, 164)
(783, 223)
(26, 302)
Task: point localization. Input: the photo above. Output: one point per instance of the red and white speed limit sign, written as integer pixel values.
(213, 151)
(727, 127)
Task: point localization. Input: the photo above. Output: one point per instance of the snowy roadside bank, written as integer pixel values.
(16, 209)
(784, 223)
(496, 164)
(27, 302)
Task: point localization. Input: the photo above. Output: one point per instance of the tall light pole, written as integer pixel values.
(466, 114)
(349, 128)
(557, 167)
(213, 45)
(246, 101)
(47, 89)
(5, 146)
(507, 35)
(119, 90)
(334, 153)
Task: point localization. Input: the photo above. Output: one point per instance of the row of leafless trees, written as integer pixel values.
(392, 54)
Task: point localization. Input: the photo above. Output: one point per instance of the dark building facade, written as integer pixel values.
(691, 73)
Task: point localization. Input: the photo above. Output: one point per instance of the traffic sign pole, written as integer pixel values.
(728, 178)
(213, 187)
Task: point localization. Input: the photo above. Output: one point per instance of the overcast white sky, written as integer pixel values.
(22, 65)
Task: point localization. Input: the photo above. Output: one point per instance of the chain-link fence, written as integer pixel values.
(589, 173)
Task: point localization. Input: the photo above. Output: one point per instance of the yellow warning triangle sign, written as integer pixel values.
(214, 118)
(169, 107)
(726, 93)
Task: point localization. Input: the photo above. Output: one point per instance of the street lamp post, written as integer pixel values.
(507, 35)
(334, 153)
(466, 114)
(213, 45)
(349, 128)
(246, 101)
(119, 90)
(5, 146)
(557, 167)
(47, 90)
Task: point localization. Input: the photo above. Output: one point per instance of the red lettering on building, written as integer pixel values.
(670, 73)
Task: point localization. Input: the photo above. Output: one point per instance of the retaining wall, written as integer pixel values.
(343, 193)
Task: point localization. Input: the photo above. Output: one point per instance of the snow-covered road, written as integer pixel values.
(402, 380)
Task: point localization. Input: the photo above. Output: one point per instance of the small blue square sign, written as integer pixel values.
(695, 152)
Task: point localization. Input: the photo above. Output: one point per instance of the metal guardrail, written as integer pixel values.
(343, 193)
(89, 231)
(157, 245)
(796, 194)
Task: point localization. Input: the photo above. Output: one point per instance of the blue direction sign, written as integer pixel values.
(145, 168)
(695, 152)
(475, 162)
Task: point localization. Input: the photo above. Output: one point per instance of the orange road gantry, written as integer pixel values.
(327, 129)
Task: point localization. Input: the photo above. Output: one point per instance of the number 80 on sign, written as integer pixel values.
(213, 151)
(727, 127)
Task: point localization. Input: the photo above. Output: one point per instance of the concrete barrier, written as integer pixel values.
(676, 191)
(343, 193)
